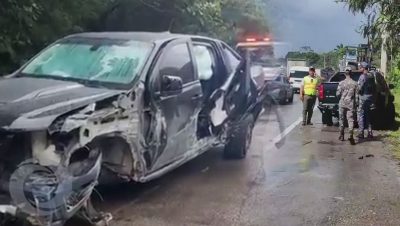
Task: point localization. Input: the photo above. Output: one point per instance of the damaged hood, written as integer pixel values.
(34, 103)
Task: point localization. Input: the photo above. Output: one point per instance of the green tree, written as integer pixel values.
(340, 50)
(26, 26)
(383, 15)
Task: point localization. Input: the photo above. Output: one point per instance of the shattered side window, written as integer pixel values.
(204, 61)
(177, 62)
(108, 62)
(234, 61)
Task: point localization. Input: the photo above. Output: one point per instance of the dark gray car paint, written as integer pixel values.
(31, 104)
(36, 99)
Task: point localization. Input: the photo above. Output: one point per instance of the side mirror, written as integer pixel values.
(171, 85)
(391, 86)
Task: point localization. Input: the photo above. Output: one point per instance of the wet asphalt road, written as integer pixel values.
(309, 179)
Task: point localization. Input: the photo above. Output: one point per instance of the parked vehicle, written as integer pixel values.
(109, 107)
(280, 89)
(296, 76)
(384, 114)
(290, 63)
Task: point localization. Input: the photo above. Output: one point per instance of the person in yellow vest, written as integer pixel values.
(308, 95)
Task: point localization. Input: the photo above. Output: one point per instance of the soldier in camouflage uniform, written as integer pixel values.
(348, 92)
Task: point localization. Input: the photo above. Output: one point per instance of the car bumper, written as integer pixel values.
(332, 108)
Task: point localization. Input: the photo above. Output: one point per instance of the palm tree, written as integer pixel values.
(339, 47)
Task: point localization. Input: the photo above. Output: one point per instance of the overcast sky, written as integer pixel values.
(321, 24)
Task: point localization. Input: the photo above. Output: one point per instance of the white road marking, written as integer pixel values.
(288, 129)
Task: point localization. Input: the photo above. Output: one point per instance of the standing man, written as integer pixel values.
(348, 93)
(367, 95)
(308, 95)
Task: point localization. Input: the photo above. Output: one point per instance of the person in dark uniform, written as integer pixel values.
(367, 95)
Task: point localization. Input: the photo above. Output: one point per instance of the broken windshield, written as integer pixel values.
(110, 61)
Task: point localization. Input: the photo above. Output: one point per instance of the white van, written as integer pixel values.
(296, 76)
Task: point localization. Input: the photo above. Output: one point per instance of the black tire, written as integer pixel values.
(391, 115)
(377, 122)
(283, 99)
(239, 139)
(291, 98)
(384, 118)
(327, 118)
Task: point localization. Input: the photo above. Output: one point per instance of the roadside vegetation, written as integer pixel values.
(384, 18)
(26, 26)
(319, 60)
(394, 136)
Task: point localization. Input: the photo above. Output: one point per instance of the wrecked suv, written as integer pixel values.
(101, 108)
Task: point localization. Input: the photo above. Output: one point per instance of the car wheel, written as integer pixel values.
(283, 98)
(291, 98)
(390, 115)
(239, 139)
(327, 118)
(378, 119)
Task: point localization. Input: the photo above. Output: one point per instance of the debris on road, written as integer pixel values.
(339, 198)
(326, 142)
(367, 156)
(307, 142)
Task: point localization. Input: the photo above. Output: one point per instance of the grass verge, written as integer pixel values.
(394, 136)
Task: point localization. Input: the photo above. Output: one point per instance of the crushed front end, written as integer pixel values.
(48, 174)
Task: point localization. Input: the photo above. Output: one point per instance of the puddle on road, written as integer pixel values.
(326, 142)
(308, 163)
(330, 129)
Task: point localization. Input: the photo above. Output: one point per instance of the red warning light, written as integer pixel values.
(251, 39)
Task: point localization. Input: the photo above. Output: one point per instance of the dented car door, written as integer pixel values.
(177, 99)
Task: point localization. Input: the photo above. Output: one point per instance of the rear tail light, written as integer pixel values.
(321, 92)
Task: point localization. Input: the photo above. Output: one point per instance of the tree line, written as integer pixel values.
(319, 60)
(26, 26)
(383, 19)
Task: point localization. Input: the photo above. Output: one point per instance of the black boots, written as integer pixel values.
(361, 135)
(351, 139)
(341, 137)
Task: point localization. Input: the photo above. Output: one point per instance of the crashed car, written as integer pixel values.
(101, 108)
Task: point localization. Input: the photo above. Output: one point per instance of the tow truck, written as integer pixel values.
(266, 70)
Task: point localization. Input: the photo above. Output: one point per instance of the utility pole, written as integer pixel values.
(385, 44)
(384, 55)
(369, 50)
